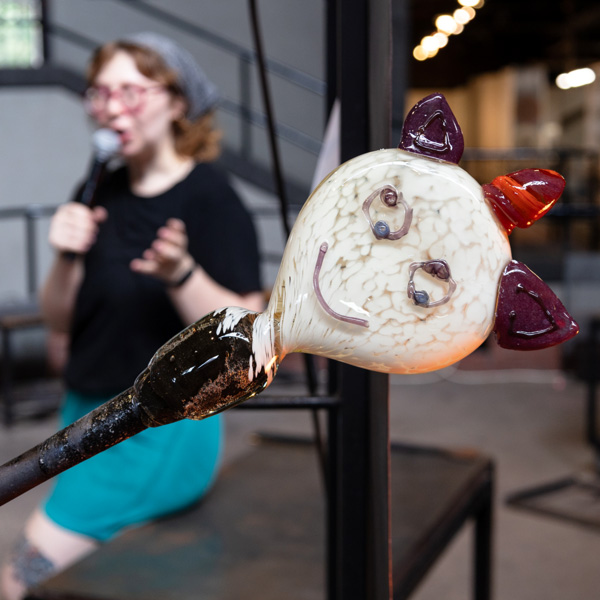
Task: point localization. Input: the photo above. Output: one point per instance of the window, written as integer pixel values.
(20, 34)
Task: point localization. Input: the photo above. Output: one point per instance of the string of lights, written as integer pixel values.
(447, 25)
(575, 78)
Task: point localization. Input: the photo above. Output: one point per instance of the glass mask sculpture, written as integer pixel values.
(399, 262)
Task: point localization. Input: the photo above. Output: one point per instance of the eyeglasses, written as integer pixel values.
(131, 96)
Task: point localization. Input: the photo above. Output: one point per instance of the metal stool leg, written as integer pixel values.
(482, 564)
(592, 381)
(7, 399)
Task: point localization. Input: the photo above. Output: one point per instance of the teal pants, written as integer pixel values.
(154, 473)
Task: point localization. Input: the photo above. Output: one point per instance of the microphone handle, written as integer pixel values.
(91, 185)
(88, 193)
(107, 425)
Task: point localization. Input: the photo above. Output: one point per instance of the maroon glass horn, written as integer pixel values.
(431, 129)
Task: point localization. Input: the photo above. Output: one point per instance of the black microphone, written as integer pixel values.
(106, 144)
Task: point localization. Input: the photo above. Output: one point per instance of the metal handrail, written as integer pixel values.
(286, 132)
(284, 71)
(290, 74)
(32, 212)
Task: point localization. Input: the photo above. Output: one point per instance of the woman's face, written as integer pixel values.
(139, 109)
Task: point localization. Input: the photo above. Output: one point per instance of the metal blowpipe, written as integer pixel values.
(201, 371)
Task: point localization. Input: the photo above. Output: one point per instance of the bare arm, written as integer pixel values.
(169, 260)
(57, 296)
(201, 294)
(73, 231)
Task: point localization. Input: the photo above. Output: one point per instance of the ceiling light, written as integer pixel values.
(562, 81)
(575, 78)
(420, 53)
(461, 16)
(441, 39)
(446, 24)
(429, 44)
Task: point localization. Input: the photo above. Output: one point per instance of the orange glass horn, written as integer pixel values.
(521, 198)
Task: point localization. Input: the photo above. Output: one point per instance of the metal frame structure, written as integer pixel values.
(359, 74)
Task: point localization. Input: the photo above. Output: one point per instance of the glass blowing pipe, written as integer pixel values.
(201, 371)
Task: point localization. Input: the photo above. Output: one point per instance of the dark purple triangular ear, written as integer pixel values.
(529, 316)
(431, 129)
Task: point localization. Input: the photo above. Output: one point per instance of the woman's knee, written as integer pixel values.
(25, 568)
(42, 550)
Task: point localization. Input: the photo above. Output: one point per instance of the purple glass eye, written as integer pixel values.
(382, 230)
(431, 129)
(439, 269)
(389, 197)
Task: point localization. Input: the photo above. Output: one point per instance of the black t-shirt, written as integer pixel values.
(121, 317)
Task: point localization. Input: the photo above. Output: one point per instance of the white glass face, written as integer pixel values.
(393, 265)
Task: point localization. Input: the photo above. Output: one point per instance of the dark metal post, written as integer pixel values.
(400, 55)
(7, 398)
(331, 56)
(360, 548)
(44, 24)
(482, 560)
(245, 61)
(31, 217)
(592, 385)
(362, 512)
(332, 498)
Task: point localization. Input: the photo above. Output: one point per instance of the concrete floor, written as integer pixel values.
(529, 421)
(534, 433)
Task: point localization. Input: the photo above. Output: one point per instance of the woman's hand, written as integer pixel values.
(74, 227)
(73, 231)
(167, 258)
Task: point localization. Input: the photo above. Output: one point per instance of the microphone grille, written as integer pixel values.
(106, 143)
